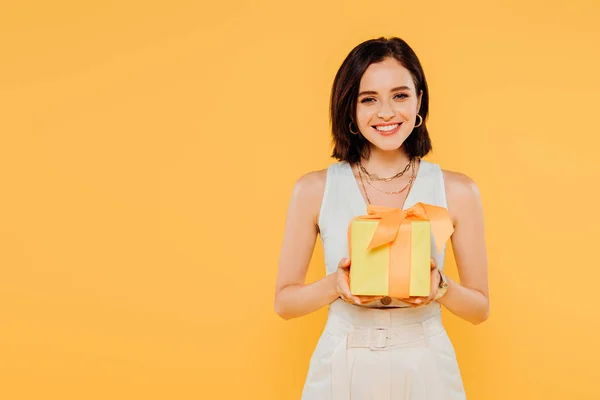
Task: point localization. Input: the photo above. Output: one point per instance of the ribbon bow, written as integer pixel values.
(391, 220)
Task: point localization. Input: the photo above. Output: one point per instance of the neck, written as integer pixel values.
(385, 163)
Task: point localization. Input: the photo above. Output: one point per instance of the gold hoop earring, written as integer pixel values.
(420, 122)
(351, 131)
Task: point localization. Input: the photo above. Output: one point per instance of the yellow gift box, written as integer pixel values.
(390, 249)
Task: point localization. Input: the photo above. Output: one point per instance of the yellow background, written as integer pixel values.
(148, 151)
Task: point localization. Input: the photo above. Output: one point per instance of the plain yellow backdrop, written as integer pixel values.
(148, 151)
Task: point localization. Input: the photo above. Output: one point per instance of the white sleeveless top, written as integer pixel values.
(342, 200)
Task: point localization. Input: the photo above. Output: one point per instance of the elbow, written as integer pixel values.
(480, 320)
(281, 310)
(285, 317)
(283, 314)
(482, 316)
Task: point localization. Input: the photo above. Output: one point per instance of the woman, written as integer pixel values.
(381, 347)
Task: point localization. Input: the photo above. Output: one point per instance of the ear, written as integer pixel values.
(419, 102)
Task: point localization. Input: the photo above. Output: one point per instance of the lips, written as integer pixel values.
(387, 129)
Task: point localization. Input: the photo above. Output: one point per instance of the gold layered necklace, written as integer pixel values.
(361, 169)
(374, 177)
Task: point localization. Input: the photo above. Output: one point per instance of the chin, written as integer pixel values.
(388, 148)
(389, 144)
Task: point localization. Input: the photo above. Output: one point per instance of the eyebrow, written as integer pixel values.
(393, 90)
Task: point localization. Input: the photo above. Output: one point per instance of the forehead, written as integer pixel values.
(385, 75)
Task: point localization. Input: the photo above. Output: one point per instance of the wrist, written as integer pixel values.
(443, 286)
(335, 287)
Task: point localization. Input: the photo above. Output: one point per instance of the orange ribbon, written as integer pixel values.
(395, 228)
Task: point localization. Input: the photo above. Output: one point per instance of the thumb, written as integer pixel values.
(344, 263)
(433, 263)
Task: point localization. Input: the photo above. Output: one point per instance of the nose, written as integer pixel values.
(385, 111)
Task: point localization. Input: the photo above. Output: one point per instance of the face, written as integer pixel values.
(386, 111)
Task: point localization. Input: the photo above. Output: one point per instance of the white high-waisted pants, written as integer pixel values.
(380, 354)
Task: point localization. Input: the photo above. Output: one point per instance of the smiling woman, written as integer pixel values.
(381, 347)
(381, 111)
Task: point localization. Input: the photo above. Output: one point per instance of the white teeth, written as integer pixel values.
(386, 128)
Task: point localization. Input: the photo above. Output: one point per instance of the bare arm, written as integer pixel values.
(293, 297)
(468, 299)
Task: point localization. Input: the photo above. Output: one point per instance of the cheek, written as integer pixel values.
(408, 107)
(405, 108)
(363, 115)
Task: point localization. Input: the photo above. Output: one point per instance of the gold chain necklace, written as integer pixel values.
(374, 177)
(396, 191)
(393, 192)
(412, 178)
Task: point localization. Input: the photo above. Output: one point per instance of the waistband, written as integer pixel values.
(383, 317)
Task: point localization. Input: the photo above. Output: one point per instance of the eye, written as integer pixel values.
(368, 100)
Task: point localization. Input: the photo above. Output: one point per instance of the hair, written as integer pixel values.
(344, 95)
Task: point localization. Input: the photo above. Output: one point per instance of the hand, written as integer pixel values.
(416, 301)
(343, 285)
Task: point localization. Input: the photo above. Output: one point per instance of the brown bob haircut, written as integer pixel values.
(344, 96)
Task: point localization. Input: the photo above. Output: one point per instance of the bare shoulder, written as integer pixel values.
(459, 185)
(308, 192)
(311, 184)
(462, 194)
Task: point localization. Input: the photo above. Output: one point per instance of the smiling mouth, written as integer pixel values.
(386, 128)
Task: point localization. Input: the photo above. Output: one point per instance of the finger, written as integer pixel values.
(410, 301)
(348, 298)
(432, 294)
(358, 299)
(344, 263)
(433, 263)
(434, 290)
(413, 304)
(431, 291)
(351, 298)
(368, 299)
(415, 300)
(435, 283)
(431, 299)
